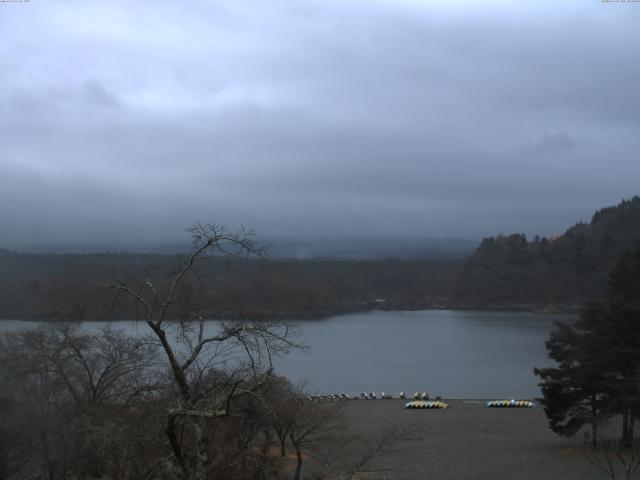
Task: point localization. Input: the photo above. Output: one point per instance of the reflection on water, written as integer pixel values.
(456, 354)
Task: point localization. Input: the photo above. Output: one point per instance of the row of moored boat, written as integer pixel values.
(420, 400)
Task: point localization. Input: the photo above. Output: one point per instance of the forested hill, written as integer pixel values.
(510, 271)
(503, 272)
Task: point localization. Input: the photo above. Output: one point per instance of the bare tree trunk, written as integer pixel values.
(626, 440)
(202, 451)
(175, 443)
(178, 372)
(267, 442)
(47, 456)
(594, 422)
(283, 447)
(298, 463)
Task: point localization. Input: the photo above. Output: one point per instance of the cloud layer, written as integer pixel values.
(126, 121)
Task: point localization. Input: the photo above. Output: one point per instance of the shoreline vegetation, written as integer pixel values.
(325, 315)
(542, 275)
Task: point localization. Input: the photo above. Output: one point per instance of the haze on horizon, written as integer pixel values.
(127, 121)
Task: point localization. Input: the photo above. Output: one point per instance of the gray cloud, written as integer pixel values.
(127, 121)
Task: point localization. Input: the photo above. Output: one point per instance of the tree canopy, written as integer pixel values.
(569, 269)
(598, 372)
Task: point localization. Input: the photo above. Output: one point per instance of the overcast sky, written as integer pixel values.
(125, 121)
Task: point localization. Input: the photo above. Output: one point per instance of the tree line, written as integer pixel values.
(57, 287)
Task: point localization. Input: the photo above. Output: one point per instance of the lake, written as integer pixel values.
(452, 353)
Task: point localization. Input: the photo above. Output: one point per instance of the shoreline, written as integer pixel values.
(329, 313)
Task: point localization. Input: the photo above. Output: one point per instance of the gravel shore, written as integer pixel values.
(467, 441)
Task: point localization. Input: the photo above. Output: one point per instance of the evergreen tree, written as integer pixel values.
(574, 392)
(598, 372)
(618, 331)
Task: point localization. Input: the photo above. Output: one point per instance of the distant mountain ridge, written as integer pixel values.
(510, 271)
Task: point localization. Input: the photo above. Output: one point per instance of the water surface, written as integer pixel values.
(456, 354)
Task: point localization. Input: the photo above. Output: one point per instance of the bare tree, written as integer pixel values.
(68, 391)
(311, 423)
(618, 457)
(12, 437)
(342, 455)
(191, 351)
(615, 458)
(281, 401)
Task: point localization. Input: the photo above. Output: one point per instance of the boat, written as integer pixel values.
(510, 404)
(424, 404)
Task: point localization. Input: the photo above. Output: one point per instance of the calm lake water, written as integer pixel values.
(456, 354)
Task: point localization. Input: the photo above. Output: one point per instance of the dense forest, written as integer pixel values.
(60, 286)
(507, 271)
(510, 271)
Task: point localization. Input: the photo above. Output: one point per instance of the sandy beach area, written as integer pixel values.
(467, 441)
